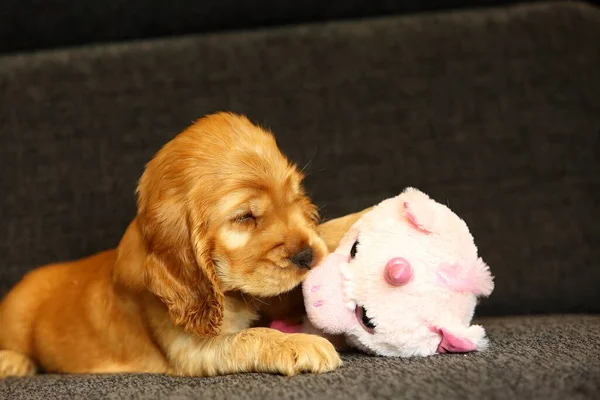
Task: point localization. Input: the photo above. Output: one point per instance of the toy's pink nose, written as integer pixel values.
(397, 271)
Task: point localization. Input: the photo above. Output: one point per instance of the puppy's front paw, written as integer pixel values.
(302, 352)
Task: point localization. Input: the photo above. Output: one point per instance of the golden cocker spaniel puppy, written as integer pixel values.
(222, 223)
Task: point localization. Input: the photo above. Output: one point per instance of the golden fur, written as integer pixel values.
(221, 212)
(334, 230)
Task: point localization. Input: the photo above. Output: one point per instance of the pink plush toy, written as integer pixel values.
(404, 281)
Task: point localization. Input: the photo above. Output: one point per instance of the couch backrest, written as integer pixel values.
(27, 25)
(495, 113)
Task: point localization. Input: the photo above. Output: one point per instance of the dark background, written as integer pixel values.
(494, 112)
(27, 25)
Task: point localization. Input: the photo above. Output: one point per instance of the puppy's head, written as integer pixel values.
(221, 209)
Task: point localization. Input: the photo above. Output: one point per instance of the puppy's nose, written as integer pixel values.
(303, 258)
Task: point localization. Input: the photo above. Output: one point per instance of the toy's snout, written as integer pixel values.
(324, 299)
(398, 271)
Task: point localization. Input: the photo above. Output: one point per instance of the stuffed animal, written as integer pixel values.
(404, 281)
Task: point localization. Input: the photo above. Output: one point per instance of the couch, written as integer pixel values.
(494, 111)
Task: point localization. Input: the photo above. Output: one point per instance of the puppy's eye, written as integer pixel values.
(248, 217)
(353, 249)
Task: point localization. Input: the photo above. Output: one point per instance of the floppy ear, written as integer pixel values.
(179, 269)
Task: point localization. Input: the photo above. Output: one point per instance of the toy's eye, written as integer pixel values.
(353, 249)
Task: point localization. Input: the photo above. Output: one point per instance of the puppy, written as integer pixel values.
(334, 230)
(222, 222)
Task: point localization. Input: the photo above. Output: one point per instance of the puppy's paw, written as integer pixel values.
(301, 352)
(15, 364)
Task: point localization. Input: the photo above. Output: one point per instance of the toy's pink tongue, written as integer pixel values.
(323, 297)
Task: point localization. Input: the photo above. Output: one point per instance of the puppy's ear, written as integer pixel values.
(180, 271)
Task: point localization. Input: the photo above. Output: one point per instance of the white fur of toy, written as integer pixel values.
(416, 273)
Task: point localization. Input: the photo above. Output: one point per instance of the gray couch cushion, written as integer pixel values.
(553, 357)
(495, 113)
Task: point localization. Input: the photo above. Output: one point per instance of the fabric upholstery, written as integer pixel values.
(27, 25)
(553, 357)
(495, 113)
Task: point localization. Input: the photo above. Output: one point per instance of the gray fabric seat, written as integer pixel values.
(545, 357)
(495, 112)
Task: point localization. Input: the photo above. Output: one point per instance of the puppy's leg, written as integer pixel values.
(254, 350)
(15, 364)
(334, 230)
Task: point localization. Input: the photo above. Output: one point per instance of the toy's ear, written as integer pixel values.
(474, 277)
(483, 279)
(462, 340)
(417, 211)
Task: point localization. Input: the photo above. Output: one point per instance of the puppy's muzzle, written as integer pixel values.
(303, 258)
